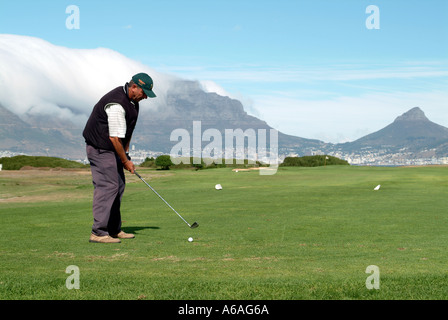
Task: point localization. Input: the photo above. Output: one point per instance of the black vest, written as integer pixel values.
(96, 131)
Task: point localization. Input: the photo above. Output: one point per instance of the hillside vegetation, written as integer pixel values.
(18, 162)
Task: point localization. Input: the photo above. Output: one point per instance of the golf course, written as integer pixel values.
(300, 234)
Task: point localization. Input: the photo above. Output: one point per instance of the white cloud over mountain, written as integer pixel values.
(37, 77)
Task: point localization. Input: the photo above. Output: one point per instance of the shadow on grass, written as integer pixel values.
(136, 229)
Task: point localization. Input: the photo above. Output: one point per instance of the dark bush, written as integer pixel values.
(312, 161)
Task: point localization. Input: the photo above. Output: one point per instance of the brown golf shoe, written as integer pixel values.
(103, 239)
(123, 235)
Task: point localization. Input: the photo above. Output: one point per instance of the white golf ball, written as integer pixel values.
(190, 239)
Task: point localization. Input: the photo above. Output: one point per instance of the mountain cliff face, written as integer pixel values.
(37, 137)
(186, 104)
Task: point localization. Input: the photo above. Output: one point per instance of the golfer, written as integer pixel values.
(108, 134)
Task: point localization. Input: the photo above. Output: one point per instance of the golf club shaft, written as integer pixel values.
(161, 198)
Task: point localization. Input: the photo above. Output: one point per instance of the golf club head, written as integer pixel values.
(194, 225)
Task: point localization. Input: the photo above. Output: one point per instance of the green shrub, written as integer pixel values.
(149, 163)
(312, 161)
(164, 161)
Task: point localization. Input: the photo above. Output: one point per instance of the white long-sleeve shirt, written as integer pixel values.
(116, 119)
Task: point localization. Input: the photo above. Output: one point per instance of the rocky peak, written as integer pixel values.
(415, 114)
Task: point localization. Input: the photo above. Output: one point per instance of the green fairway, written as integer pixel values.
(302, 233)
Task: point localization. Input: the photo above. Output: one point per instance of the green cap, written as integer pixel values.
(145, 82)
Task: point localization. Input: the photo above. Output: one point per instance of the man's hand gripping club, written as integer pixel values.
(125, 159)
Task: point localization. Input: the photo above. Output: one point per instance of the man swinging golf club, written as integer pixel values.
(108, 133)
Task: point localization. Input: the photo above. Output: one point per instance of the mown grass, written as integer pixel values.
(303, 233)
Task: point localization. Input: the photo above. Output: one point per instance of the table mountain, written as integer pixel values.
(187, 102)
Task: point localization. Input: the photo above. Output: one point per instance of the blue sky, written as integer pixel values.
(308, 68)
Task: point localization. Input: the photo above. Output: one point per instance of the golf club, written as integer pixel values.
(192, 226)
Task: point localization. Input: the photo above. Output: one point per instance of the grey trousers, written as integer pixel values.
(109, 183)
